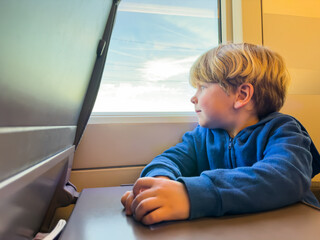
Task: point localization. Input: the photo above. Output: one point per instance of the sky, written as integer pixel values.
(153, 45)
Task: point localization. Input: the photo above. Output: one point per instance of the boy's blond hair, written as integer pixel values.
(231, 65)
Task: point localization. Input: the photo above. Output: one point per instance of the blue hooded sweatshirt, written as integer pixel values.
(265, 166)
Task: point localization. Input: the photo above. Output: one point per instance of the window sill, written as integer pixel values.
(142, 117)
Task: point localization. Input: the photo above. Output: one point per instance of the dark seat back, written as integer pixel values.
(50, 71)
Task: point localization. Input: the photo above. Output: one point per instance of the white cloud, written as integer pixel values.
(165, 68)
(133, 97)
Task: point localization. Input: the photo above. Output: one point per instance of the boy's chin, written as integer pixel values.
(204, 124)
(208, 125)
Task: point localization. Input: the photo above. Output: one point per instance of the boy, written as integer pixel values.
(243, 157)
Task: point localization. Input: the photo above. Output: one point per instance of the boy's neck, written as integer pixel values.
(241, 123)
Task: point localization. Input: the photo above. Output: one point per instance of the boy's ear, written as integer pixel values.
(244, 95)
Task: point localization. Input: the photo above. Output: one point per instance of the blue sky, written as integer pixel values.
(152, 47)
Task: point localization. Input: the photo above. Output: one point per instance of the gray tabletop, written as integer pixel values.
(99, 215)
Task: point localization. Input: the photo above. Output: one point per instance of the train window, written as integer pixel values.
(153, 45)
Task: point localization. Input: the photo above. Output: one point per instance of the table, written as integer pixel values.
(99, 214)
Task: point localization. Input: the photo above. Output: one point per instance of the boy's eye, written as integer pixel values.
(202, 87)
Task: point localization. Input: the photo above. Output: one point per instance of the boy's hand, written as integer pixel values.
(156, 200)
(128, 197)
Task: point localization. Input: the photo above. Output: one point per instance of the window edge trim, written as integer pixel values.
(142, 117)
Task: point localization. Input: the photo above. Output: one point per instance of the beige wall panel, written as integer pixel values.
(304, 81)
(306, 109)
(125, 144)
(104, 177)
(303, 8)
(110, 177)
(295, 38)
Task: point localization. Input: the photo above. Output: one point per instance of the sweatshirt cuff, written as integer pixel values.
(204, 198)
(158, 172)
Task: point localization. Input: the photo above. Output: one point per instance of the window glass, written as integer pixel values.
(153, 45)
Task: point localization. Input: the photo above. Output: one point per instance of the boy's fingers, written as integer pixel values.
(146, 206)
(124, 198)
(149, 193)
(128, 204)
(156, 216)
(142, 184)
(126, 201)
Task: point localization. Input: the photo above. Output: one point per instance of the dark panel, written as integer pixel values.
(22, 147)
(47, 54)
(48, 51)
(25, 197)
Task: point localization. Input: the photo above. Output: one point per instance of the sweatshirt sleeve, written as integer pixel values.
(281, 177)
(177, 161)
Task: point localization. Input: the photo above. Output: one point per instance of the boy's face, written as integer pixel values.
(214, 106)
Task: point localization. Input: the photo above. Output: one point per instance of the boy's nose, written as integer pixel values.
(194, 99)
